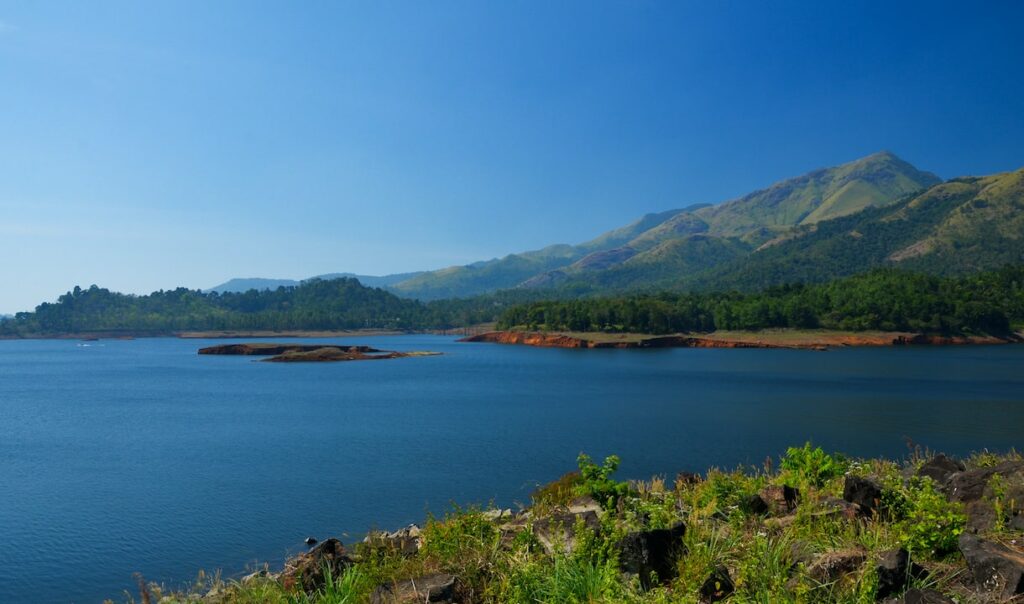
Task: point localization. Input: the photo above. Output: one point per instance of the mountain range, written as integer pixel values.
(875, 211)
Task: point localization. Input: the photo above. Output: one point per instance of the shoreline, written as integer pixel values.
(786, 339)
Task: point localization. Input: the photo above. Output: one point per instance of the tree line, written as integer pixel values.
(882, 299)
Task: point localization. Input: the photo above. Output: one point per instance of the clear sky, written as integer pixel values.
(147, 145)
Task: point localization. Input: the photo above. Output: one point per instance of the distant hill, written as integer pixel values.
(245, 284)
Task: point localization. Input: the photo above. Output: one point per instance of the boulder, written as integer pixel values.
(970, 485)
(865, 493)
(557, 532)
(307, 570)
(430, 588)
(718, 586)
(584, 504)
(894, 570)
(834, 506)
(755, 505)
(996, 568)
(654, 551)
(940, 467)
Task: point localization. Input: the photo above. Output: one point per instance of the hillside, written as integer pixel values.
(656, 247)
(957, 227)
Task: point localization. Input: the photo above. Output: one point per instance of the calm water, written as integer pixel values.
(142, 456)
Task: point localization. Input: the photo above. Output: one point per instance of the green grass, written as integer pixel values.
(768, 558)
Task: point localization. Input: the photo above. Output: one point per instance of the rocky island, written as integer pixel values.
(306, 353)
(818, 527)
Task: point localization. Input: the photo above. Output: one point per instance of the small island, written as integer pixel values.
(309, 353)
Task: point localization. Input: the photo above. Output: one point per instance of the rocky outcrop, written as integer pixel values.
(269, 349)
(309, 570)
(995, 568)
(940, 468)
(652, 553)
(832, 566)
(977, 490)
(920, 596)
(309, 353)
(431, 588)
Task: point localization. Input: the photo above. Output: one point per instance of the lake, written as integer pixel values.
(125, 456)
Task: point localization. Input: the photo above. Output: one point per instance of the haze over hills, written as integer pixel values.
(238, 285)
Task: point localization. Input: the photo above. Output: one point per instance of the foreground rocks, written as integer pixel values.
(652, 553)
(996, 568)
(308, 571)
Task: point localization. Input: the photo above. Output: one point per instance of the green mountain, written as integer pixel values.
(957, 227)
(660, 248)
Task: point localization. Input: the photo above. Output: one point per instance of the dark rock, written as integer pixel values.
(718, 586)
(307, 570)
(995, 567)
(655, 551)
(940, 467)
(801, 552)
(864, 492)
(921, 596)
(310, 541)
(1016, 523)
(755, 505)
(970, 485)
(431, 588)
(894, 570)
(557, 532)
(832, 566)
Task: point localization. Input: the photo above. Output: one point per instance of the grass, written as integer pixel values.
(768, 559)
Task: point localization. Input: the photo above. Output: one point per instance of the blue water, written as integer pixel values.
(127, 456)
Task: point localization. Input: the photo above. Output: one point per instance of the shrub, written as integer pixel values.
(928, 524)
(597, 481)
(813, 466)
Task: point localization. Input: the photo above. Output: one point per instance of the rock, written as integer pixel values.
(940, 467)
(865, 493)
(894, 570)
(995, 567)
(431, 588)
(718, 586)
(756, 505)
(801, 552)
(974, 488)
(310, 541)
(920, 596)
(307, 570)
(496, 515)
(585, 503)
(654, 551)
(405, 541)
(780, 500)
(832, 566)
(970, 485)
(557, 532)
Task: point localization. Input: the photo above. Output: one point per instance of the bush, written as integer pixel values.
(928, 524)
(597, 481)
(813, 466)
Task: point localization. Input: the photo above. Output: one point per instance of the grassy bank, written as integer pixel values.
(809, 527)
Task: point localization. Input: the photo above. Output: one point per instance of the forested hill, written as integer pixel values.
(884, 299)
(335, 304)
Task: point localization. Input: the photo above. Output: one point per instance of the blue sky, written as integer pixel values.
(151, 145)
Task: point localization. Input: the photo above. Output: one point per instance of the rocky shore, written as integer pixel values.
(307, 353)
(820, 528)
(769, 339)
